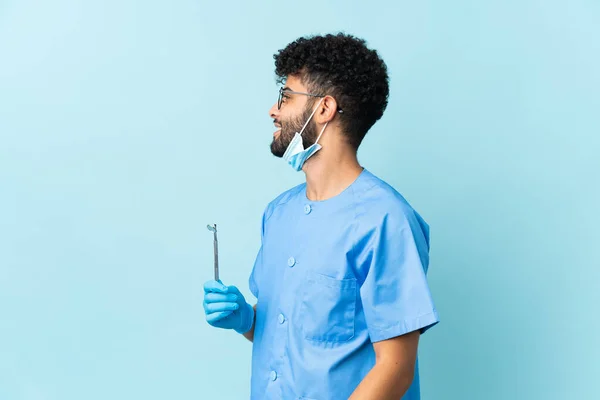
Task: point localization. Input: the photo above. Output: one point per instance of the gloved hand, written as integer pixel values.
(225, 307)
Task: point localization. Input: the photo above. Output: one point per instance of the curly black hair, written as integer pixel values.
(340, 65)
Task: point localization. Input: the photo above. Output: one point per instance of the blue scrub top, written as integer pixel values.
(332, 277)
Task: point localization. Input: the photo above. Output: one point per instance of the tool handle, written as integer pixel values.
(216, 251)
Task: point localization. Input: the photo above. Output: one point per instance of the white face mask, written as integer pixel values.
(295, 154)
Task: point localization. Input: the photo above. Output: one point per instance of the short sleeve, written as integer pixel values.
(253, 281)
(395, 295)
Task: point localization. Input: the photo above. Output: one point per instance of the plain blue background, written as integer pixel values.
(127, 126)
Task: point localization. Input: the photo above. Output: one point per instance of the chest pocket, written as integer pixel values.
(328, 308)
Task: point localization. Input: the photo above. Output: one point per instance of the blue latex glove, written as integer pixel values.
(225, 307)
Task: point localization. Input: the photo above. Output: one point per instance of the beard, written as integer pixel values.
(289, 128)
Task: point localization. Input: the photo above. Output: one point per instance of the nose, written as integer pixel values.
(274, 112)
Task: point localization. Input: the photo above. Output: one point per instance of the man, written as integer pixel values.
(340, 275)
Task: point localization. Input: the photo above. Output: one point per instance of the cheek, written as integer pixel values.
(287, 124)
(287, 118)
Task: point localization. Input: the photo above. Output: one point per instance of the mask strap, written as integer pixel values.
(322, 130)
(311, 115)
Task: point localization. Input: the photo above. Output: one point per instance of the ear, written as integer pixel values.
(327, 110)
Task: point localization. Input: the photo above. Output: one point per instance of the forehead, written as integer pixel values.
(294, 83)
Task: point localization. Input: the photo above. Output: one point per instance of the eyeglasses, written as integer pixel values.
(283, 91)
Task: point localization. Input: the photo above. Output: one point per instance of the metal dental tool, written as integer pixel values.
(213, 229)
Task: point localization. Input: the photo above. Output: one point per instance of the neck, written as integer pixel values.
(329, 172)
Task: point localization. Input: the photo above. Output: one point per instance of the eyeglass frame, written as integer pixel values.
(284, 90)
